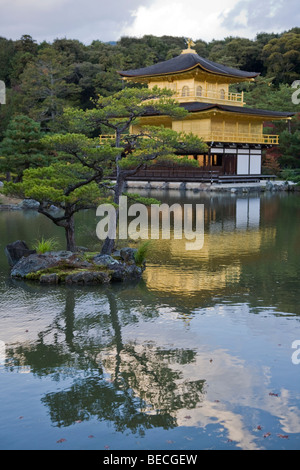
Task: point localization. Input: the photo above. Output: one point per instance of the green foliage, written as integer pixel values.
(60, 184)
(78, 148)
(142, 251)
(289, 147)
(22, 147)
(44, 79)
(159, 144)
(282, 56)
(69, 72)
(291, 175)
(123, 109)
(44, 245)
(71, 187)
(137, 198)
(46, 86)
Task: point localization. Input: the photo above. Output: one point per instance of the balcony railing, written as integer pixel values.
(221, 96)
(243, 138)
(215, 136)
(104, 137)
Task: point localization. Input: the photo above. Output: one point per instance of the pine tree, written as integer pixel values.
(22, 147)
(118, 113)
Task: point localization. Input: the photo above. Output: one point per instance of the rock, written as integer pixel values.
(82, 249)
(32, 264)
(119, 273)
(127, 254)
(124, 272)
(49, 279)
(116, 254)
(16, 250)
(10, 207)
(39, 262)
(104, 260)
(73, 268)
(88, 277)
(134, 271)
(53, 208)
(30, 204)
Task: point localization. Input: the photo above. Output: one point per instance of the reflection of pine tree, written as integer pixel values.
(134, 386)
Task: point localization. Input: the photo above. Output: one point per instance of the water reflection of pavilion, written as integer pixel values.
(233, 236)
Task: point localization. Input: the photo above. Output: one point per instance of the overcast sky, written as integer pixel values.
(108, 20)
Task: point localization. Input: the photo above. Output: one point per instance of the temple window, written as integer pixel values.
(185, 91)
(199, 91)
(222, 94)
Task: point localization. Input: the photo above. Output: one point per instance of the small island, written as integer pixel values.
(80, 268)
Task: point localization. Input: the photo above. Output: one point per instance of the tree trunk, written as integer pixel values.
(109, 243)
(70, 234)
(108, 246)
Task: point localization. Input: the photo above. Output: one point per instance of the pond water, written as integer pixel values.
(199, 354)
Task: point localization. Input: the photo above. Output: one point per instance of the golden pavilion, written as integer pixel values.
(234, 133)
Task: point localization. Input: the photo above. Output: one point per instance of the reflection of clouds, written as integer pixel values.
(212, 413)
(289, 416)
(226, 382)
(229, 382)
(233, 386)
(232, 383)
(24, 314)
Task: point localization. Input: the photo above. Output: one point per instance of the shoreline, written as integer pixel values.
(11, 204)
(262, 186)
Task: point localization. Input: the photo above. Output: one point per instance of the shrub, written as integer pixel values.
(291, 175)
(140, 254)
(44, 245)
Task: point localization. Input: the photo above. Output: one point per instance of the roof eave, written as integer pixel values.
(252, 76)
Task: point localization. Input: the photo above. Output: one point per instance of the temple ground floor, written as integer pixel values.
(222, 163)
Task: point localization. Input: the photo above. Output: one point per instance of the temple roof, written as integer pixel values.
(185, 62)
(194, 107)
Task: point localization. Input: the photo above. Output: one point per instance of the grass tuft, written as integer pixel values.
(141, 253)
(44, 245)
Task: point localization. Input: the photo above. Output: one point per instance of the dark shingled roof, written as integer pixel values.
(185, 62)
(194, 107)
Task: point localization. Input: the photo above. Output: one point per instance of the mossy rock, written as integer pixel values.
(71, 268)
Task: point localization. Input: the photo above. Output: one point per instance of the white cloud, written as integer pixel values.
(198, 20)
(268, 16)
(213, 19)
(86, 20)
(109, 20)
